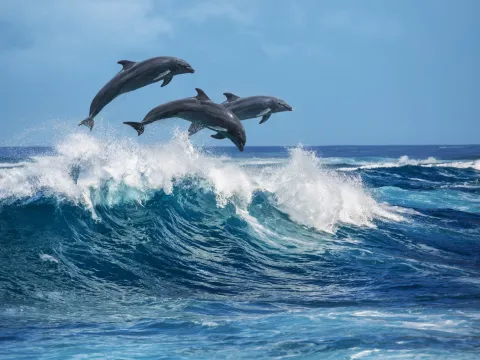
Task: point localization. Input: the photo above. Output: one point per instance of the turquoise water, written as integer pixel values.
(122, 251)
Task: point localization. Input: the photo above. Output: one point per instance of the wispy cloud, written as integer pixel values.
(241, 12)
(297, 15)
(76, 28)
(13, 37)
(79, 26)
(362, 24)
(303, 50)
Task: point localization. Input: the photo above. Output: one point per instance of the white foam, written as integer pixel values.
(405, 160)
(12, 165)
(363, 353)
(462, 165)
(402, 161)
(46, 257)
(120, 170)
(440, 325)
(257, 162)
(342, 160)
(412, 320)
(256, 226)
(320, 198)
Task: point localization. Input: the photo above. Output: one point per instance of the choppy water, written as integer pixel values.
(109, 249)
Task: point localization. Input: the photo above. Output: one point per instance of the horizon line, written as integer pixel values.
(264, 146)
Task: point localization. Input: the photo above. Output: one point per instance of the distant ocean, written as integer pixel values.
(115, 250)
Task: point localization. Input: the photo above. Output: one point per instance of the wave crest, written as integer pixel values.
(92, 172)
(406, 161)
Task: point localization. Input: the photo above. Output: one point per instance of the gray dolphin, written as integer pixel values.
(136, 75)
(203, 113)
(252, 107)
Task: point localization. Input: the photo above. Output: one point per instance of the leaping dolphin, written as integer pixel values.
(133, 76)
(252, 107)
(203, 113)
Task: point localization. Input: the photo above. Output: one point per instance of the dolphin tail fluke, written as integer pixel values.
(137, 126)
(88, 122)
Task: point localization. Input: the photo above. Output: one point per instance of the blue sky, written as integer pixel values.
(356, 72)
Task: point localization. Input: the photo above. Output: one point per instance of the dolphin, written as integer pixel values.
(252, 107)
(133, 76)
(203, 113)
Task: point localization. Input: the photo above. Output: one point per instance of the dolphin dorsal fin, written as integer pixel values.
(127, 64)
(201, 94)
(231, 97)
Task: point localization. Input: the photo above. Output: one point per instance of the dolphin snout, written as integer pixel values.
(190, 69)
(240, 145)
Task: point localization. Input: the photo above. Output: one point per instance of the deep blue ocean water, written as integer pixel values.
(114, 250)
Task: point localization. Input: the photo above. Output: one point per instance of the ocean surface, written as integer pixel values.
(114, 250)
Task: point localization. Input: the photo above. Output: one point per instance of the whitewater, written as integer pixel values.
(90, 172)
(115, 249)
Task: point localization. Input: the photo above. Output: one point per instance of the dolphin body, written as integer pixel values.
(136, 75)
(252, 107)
(203, 113)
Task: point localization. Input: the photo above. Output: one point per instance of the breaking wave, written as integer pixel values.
(406, 161)
(115, 242)
(89, 172)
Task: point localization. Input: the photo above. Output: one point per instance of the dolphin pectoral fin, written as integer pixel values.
(265, 118)
(231, 97)
(218, 136)
(162, 75)
(127, 64)
(88, 122)
(167, 80)
(264, 112)
(137, 126)
(194, 128)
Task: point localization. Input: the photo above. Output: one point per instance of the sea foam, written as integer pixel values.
(89, 172)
